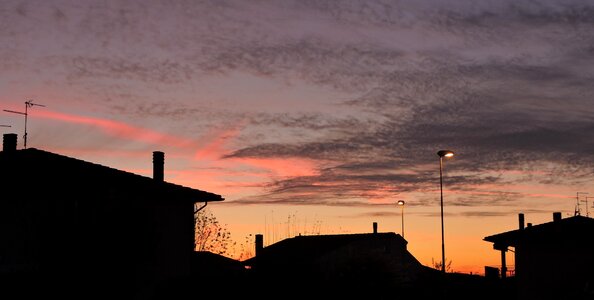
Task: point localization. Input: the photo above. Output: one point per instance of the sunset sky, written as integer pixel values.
(318, 116)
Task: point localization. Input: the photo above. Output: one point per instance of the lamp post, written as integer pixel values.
(442, 154)
(401, 204)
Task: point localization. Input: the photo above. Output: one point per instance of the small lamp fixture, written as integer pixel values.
(401, 204)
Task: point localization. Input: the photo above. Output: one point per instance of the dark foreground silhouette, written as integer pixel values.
(71, 229)
(74, 229)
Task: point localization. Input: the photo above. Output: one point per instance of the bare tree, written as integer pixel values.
(437, 265)
(209, 234)
(246, 249)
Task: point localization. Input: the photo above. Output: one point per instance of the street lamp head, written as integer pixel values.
(400, 202)
(445, 153)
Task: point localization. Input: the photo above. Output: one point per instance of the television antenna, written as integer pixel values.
(587, 213)
(5, 126)
(26, 113)
(577, 211)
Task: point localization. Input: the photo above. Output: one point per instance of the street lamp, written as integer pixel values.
(442, 154)
(401, 204)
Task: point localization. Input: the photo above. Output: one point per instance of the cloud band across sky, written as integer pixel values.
(375, 88)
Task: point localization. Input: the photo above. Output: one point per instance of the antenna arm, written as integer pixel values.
(15, 112)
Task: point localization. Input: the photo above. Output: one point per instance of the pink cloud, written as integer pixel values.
(100, 152)
(251, 166)
(115, 128)
(216, 180)
(215, 148)
(282, 167)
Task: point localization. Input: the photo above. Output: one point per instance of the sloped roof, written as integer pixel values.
(572, 227)
(39, 161)
(307, 248)
(207, 263)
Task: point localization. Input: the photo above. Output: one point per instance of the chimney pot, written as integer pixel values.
(556, 216)
(374, 227)
(259, 243)
(521, 221)
(158, 165)
(9, 142)
(529, 225)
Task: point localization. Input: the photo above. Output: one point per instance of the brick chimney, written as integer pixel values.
(259, 243)
(9, 142)
(158, 165)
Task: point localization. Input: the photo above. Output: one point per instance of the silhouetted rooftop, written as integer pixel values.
(210, 264)
(34, 159)
(574, 226)
(306, 248)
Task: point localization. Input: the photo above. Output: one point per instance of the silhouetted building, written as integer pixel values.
(554, 260)
(72, 228)
(343, 264)
(213, 275)
(213, 267)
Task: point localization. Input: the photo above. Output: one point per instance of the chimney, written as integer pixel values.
(259, 243)
(556, 216)
(158, 163)
(9, 142)
(374, 227)
(521, 221)
(529, 225)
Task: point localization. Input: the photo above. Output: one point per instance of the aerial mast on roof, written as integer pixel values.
(587, 212)
(577, 203)
(28, 104)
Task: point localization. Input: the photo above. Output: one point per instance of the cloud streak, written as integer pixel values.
(507, 85)
(116, 129)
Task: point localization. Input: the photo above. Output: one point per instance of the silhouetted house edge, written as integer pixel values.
(351, 261)
(214, 274)
(216, 268)
(553, 260)
(73, 226)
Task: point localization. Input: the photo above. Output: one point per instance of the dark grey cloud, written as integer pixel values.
(310, 121)
(479, 214)
(507, 142)
(375, 214)
(291, 199)
(350, 67)
(466, 214)
(128, 68)
(325, 150)
(482, 214)
(532, 14)
(487, 138)
(506, 84)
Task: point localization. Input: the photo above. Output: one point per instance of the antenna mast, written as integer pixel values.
(587, 213)
(577, 211)
(26, 113)
(5, 126)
